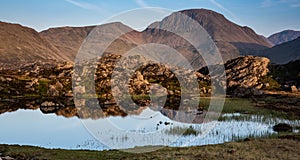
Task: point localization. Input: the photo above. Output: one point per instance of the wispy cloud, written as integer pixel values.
(223, 8)
(142, 3)
(84, 5)
(295, 5)
(272, 3)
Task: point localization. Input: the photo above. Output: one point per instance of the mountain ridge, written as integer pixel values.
(63, 43)
(285, 52)
(284, 36)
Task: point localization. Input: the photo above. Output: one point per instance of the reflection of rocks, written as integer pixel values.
(148, 81)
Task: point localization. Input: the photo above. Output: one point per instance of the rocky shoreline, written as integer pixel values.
(51, 86)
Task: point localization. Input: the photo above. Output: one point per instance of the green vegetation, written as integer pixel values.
(185, 131)
(283, 148)
(43, 87)
(247, 106)
(273, 84)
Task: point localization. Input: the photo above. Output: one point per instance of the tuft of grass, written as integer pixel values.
(185, 131)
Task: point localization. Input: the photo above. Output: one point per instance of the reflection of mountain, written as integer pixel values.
(284, 36)
(21, 43)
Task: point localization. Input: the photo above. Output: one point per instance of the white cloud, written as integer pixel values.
(223, 8)
(142, 3)
(271, 3)
(295, 5)
(83, 5)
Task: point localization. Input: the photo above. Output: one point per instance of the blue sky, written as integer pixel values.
(264, 16)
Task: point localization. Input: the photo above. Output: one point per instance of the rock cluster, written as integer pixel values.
(115, 82)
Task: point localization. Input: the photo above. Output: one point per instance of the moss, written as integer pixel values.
(43, 87)
(273, 84)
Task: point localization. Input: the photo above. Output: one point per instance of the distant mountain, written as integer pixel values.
(231, 39)
(284, 36)
(285, 52)
(19, 43)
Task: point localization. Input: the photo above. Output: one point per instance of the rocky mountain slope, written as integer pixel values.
(67, 39)
(21, 44)
(284, 36)
(231, 39)
(284, 53)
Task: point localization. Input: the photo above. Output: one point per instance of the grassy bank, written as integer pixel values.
(250, 149)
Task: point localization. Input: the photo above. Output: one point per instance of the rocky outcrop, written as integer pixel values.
(244, 73)
(51, 85)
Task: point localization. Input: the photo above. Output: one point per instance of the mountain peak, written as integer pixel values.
(284, 36)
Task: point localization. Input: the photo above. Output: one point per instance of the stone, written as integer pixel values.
(267, 85)
(294, 88)
(79, 89)
(58, 85)
(139, 76)
(6, 158)
(48, 104)
(52, 91)
(2, 79)
(9, 79)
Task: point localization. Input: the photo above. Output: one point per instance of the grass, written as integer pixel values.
(246, 106)
(185, 131)
(251, 149)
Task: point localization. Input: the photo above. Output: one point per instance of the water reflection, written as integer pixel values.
(31, 127)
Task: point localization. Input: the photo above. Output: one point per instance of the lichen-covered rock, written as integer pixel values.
(246, 71)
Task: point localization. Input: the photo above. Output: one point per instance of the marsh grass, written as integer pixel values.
(246, 106)
(185, 131)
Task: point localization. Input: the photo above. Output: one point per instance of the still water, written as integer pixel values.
(32, 127)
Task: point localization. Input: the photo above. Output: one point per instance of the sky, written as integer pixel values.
(264, 16)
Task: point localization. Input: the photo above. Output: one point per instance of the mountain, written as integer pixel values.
(231, 39)
(285, 52)
(284, 36)
(67, 39)
(21, 44)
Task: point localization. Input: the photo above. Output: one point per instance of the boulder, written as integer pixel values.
(79, 89)
(50, 107)
(52, 91)
(294, 88)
